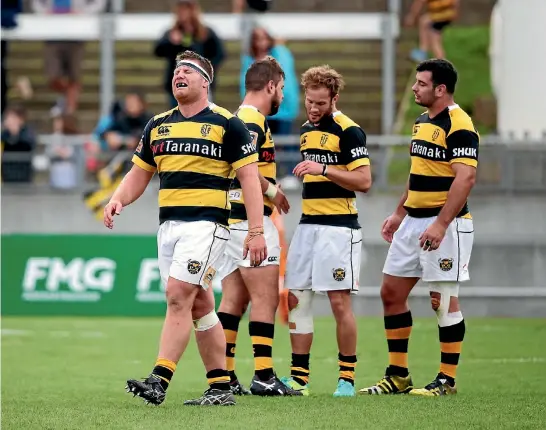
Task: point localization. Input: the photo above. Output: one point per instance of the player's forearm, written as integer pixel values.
(254, 201)
(456, 199)
(355, 180)
(252, 193)
(132, 186)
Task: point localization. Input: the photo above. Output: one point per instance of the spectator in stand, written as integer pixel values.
(64, 58)
(188, 33)
(18, 144)
(281, 124)
(249, 9)
(439, 15)
(122, 129)
(10, 10)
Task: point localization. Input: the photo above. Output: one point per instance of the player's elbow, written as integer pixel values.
(246, 173)
(364, 184)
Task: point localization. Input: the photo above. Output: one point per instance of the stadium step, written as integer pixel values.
(136, 67)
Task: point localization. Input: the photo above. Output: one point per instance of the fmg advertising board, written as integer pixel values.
(83, 275)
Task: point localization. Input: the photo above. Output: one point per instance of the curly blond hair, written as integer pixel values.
(323, 76)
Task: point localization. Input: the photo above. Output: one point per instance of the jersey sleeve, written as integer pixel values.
(257, 134)
(353, 148)
(144, 156)
(239, 148)
(462, 147)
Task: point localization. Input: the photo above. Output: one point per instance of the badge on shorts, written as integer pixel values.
(446, 264)
(194, 267)
(339, 274)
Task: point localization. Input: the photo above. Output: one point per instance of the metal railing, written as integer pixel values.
(506, 166)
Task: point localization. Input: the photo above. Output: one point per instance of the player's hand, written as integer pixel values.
(281, 202)
(308, 167)
(256, 249)
(114, 207)
(390, 225)
(432, 237)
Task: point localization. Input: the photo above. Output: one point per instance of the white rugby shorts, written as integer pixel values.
(448, 263)
(324, 258)
(233, 258)
(190, 251)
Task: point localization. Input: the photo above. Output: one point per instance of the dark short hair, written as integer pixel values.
(17, 109)
(443, 73)
(261, 72)
(205, 63)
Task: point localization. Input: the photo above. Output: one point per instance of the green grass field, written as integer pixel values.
(69, 373)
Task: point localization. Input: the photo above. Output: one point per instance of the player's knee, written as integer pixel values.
(178, 299)
(206, 322)
(445, 302)
(340, 302)
(392, 293)
(292, 301)
(300, 317)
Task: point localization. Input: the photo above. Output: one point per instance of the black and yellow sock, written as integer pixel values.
(218, 379)
(451, 342)
(299, 370)
(230, 324)
(347, 365)
(262, 343)
(164, 370)
(398, 330)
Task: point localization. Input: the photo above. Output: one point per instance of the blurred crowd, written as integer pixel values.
(118, 132)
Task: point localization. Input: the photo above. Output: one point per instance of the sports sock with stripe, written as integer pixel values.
(398, 330)
(451, 342)
(299, 370)
(230, 324)
(347, 365)
(262, 335)
(164, 370)
(218, 379)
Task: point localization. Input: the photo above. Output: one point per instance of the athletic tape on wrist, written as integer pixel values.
(271, 191)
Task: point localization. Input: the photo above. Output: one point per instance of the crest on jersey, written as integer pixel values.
(338, 274)
(323, 139)
(446, 264)
(303, 140)
(253, 138)
(194, 266)
(163, 130)
(205, 130)
(435, 135)
(415, 129)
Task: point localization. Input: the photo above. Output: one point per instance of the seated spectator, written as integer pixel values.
(188, 32)
(62, 153)
(122, 130)
(18, 144)
(262, 44)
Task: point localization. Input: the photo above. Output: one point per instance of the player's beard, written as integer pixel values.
(275, 105)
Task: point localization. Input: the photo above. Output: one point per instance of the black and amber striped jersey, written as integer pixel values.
(341, 144)
(263, 142)
(449, 137)
(442, 10)
(195, 159)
